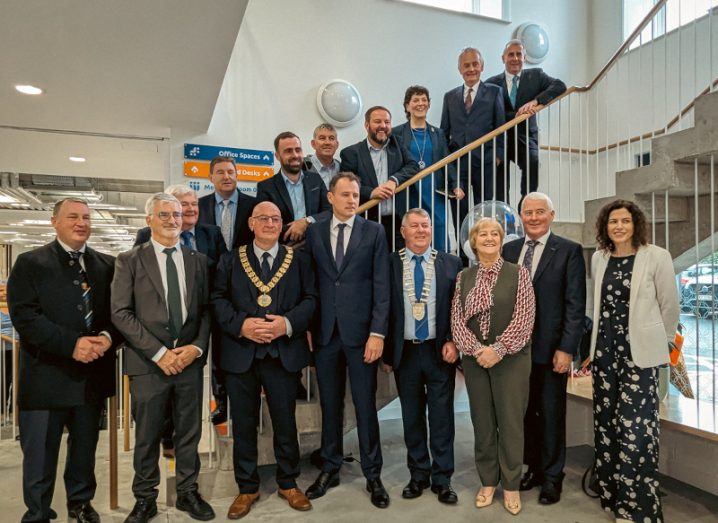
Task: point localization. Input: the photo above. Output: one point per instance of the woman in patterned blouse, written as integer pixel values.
(626, 350)
(492, 316)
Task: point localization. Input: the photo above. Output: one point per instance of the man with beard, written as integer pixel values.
(300, 195)
(325, 145)
(382, 164)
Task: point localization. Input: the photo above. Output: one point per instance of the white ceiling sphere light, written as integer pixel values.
(339, 102)
(535, 40)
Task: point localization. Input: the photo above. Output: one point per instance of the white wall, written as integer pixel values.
(286, 50)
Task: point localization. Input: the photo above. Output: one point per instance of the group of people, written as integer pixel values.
(296, 275)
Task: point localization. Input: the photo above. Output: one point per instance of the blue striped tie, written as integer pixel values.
(421, 327)
(86, 289)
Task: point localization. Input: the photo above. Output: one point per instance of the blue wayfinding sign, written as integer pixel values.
(241, 156)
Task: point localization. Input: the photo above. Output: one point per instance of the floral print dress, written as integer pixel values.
(625, 408)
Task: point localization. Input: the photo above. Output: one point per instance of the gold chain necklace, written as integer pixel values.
(264, 299)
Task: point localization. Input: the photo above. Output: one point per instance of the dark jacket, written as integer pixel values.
(234, 299)
(439, 150)
(245, 206)
(560, 288)
(47, 311)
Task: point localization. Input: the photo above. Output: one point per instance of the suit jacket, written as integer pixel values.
(315, 195)
(560, 289)
(47, 310)
(245, 206)
(446, 269)
(354, 297)
(234, 299)
(486, 114)
(653, 303)
(439, 150)
(139, 307)
(208, 238)
(401, 167)
(533, 85)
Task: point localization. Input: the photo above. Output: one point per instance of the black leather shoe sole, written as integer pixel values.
(318, 492)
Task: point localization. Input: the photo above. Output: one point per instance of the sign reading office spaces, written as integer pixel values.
(252, 165)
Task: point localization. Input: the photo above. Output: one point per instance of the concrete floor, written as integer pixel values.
(350, 503)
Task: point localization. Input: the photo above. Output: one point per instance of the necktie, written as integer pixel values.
(421, 327)
(529, 256)
(187, 239)
(265, 267)
(86, 290)
(227, 224)
(467, 100)
(514, 88)
(339, 253)
(174, 299)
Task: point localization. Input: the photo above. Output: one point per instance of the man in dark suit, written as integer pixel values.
(420, 350)
(208, 240)
(559, 279)
(352, 269)
(59, 299)
(524, 90)
(300, 194)
(227, 207)
(469, 112)
(160, 304)
(382, 164)
(264, 327)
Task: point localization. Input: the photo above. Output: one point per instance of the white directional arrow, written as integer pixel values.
(194, 169)
(266, 157)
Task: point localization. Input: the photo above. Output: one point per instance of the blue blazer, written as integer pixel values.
(446, 268)
(245, 206)
(234, 299)
(486, 114)
(208, 238)
(356, 159)
(534, 85)
(354, 297)
(560, 288)
(315, 195)
(439, 150)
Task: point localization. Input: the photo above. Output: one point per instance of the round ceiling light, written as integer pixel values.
(78, 159)
(28, 89)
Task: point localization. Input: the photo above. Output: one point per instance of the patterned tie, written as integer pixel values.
(529, 256)
(227, 224)
(174, 299)
(187, 239)
(514, 88)
(421, 327)
(86, 289)
(467, 100)
(339, 253)
(266, 269)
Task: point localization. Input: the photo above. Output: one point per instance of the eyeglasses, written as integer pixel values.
(268, 219)
(164, 215)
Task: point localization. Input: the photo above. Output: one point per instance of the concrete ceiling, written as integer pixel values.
(137, 67)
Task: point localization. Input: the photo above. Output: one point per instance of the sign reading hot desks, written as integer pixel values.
(252, 165)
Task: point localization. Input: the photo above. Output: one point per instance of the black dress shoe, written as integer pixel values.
(550, 493)
(143, 511)
(445, 494)
(414, 489)
(219, 414)
(529, 481)
(324, 482)
(379, 495)
(53, 514)
(195, 506)
(84, 513)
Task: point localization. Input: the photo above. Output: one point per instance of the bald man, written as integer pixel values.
(263, 300)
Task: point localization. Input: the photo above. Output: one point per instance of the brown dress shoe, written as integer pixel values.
(296, 499)
(241, 505)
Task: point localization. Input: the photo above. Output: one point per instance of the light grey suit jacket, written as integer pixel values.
(653, 306)
(139, 307)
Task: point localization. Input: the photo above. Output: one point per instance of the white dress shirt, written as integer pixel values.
(334, 232)
(538, 251)
(179, 263)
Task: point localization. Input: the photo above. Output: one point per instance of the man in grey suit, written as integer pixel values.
(160, 305)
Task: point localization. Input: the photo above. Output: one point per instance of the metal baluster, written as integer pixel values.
(548, 170)
(680, 35)
(570, 155)
(640, 98)
(713, 282)
(505, 196)
(560, 153)
(698, 286)
(665, 72)
(494, 194)
(595, 99)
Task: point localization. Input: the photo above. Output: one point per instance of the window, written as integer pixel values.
(674, 14)
(488, 8)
